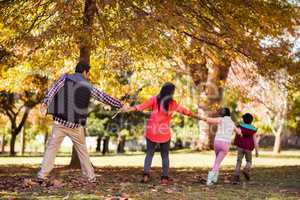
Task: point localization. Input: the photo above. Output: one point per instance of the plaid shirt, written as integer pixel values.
(97, 94)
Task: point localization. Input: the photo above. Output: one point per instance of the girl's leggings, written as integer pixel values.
(164, 152)
(221, 149)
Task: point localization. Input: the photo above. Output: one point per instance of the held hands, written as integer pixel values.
(199, 117)
(43, 109)
(124, 108)
(127, 108)
(239, 132)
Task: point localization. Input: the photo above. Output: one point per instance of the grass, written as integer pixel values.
(274, 177)
(177, 159)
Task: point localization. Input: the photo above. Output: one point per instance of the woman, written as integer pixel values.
(157, 132)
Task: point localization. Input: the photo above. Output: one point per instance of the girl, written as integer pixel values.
(157, 131)
(222, 140)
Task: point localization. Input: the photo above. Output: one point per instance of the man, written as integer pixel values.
(67, 101)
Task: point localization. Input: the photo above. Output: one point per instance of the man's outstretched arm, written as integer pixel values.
(105, 98)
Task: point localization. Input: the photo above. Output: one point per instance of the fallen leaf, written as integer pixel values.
(57, 183)
(125, 196)
(281, 191)
(169, 191)
(153, 190)
(227, 181)
(67, 197)
(29, 183)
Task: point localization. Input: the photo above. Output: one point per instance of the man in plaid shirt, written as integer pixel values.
(69, 114)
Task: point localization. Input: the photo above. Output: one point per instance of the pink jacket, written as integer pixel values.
(158, 129)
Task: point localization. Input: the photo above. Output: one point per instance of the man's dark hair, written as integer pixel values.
(224, 112)
(247, 118)
(82, 66)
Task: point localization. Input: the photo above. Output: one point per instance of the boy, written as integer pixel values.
(246, 142)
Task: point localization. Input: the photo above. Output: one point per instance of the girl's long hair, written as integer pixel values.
(165, 96)
(223, 112)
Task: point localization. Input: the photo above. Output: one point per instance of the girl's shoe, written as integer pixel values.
(210, 177)
(92, 180)
(43, 181)
(146, 178)
(165, 180)
(215, 178)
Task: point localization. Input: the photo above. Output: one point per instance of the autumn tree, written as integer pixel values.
(206, 36)
(16, 106)
(259, 92)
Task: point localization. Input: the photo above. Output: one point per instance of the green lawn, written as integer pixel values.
(274, 177)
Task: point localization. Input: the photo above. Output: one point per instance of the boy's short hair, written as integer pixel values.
(82, 66)
(247, 118)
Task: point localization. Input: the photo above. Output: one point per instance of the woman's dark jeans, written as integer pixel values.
(164, 152)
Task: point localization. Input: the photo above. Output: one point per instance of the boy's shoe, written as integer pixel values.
(146, 178)
(246, 173)
(165, 180)
(210, 177)
(215, 178)
(236, 180)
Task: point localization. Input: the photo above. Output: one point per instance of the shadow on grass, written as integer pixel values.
(123, 182)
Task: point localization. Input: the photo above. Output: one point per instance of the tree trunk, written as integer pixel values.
(121, 144)
(281, 115)
(3, 143)
(204, 140)
(85, 48)
(209, 73)
(99, 139)
(178, 144)
(105, 148)
(214, 92)
(86, 36)
(199, 73)
(277, 133)
(277, 143)
(12, 144)
(15, 130)
(23, 142)
(75, 162)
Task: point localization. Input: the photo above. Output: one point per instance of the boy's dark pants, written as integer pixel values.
(240, 155)
(164, 152)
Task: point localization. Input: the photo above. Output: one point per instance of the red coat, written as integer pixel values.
(158, 129)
